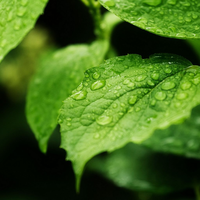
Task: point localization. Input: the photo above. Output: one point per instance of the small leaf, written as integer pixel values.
(140, 169)
(17, 18)
(58, 74)
(170, 18)
(130, 99)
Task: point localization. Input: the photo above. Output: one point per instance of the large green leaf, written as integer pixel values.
(58, 74)
(17, 18)
(140, 169)
(171, 18)
(125, 100)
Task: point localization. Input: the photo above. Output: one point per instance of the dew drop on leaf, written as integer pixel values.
(109, 3)
(186, 85)
(172, 2)
(96, 75)
(98, 84)
(182, 96)
(196, 80)
(114, 105)
(126, 81)
(137, 109)
(155, 75)
(152, 2)
(150, 82)
(132, 100)
(168, 70)
(160, 95)
(168, 85)
(104, 120)
(96, 136)
(79, 95)
(80, 87)
(140, 77)
(153, 102)
(24, 2)
(21, 11)
(131, 85)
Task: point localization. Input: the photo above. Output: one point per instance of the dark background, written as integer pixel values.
(26, 173)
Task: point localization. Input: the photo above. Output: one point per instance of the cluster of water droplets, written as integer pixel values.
(168, 19)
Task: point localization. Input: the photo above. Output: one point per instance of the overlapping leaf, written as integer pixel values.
(170, 18)
(140, 169)
(125, 100)
(17, 18)
(58, 74)
(183, 139)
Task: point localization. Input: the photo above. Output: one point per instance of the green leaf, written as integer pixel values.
(17, 18)
(58, 74)
(183, 139)
(170, 18)
(125, 100)
(140, 169)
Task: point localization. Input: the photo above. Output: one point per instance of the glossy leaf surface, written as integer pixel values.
(125, 100)
(17, 18)
(170, 18)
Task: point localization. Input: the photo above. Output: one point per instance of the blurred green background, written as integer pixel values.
(26, 173)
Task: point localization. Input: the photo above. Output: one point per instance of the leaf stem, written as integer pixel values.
(197, 191)
(94, 9)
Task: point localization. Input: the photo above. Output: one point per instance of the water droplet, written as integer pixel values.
(141, 77)
(150, 82)
(168, 85)
(122, 104)
(186, 85)
(126, 82)
(152, 2)
(160, 95)
(168, 70)
(114, 105)
(131, 85)
(69, 119)
(137, 109)
(80, 87)
(196, 80)
(182, 96)
(109, 3)
(79, 95)
(104, 120)
(155, 75)
(132, 100)
(98, 84)
(24, 2)
(178, 104)
(153, 102)
(3, 43)
(17, 25)
(96, 75)
(85, 84)
(60, 121)
(96, 136)
(87, 75)
(69, 124)
(10, 16)
(185, 3)
(21, 11)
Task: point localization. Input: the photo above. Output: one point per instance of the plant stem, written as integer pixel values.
(197, 191)
(94, 9)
